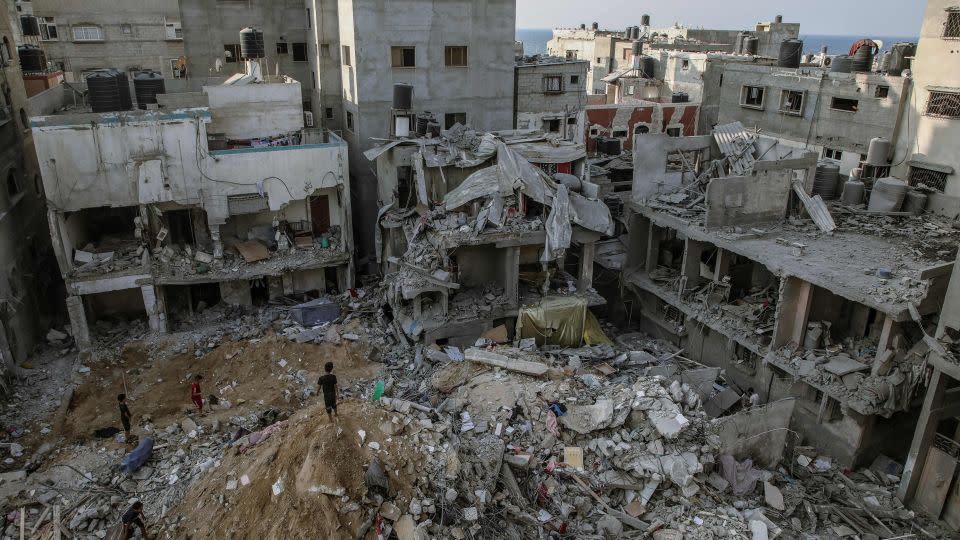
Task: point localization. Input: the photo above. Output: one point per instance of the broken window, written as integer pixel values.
(552, 84)
(282, 47)
(641, 130)
(299, 52)
(791, 102)
(345, 58)
(571, 55)
(456, 56)
(944, 104)
(619, 133)
(882, 92)
(403, 57)
(48, 29)
(177, 68)
(574, 79)
(451, 119)
(231, 52)
(685, 65)
(752, 97)
(928, 177)
(328, 113)
(553, 126)
(572, 121)
(951, 29)
(830, 153)
(844, 104)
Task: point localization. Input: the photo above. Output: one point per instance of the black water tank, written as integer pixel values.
(30, 25)
(609, 146)
(422, 122)
(433, 129)
(146, 86)
(790, 52)
(680, 97)
(751, 45)
(126, 97)
(648, 67)
(863, 60)
(825, 180)
(842, 63)
(900, 57)
(644, 20)
(32, 58)
(637, 48)
(402, 96)
(105, 90)
(251, 44)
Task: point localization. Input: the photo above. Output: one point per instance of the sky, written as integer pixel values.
(831, 17)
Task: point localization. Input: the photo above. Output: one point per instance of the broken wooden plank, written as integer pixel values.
(816, 208)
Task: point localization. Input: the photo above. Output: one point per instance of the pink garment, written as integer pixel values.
(552, 425)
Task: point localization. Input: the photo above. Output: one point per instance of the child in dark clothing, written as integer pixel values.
(328, 383)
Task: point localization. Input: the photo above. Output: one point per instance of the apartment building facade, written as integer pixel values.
(550, 94)
(79, 37)
(933, 112)
(29, 292)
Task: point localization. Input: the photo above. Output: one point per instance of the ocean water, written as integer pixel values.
(535, 41)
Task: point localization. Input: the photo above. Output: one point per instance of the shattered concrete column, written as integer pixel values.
(78, 321)
(691, 261)
(793, 310)
(155, 310)
(345, 276)
(653, 248)
(511, 276)
(215, 238)
(923, 436)
(723, 264)
(886, 333)
(588, 252)
(637, 241)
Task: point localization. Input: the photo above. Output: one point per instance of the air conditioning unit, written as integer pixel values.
(308, 118)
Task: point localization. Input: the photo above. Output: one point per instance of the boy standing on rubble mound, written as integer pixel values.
(328, 382)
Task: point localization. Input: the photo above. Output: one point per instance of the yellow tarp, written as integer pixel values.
(560, 320)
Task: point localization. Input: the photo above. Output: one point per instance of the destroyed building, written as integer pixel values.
(220, 195)
(722, 264)
(476, 228)
(765, 37)
(550, 95)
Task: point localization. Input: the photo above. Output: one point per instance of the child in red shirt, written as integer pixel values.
(195, 394)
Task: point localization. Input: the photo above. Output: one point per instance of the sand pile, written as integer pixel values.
(318, 473)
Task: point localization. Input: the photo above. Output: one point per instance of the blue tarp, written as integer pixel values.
(134, 460)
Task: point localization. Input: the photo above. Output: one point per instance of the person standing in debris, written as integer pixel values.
(133, 516)
(195, 394)
(328, 382)
(124, 415)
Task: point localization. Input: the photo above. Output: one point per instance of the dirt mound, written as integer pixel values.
(311, 461)
(261, 371)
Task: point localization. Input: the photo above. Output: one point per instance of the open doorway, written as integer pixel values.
(320, 214)
(260, 292)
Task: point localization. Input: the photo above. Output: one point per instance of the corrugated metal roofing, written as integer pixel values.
(736, 143)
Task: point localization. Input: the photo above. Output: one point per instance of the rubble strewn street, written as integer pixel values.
(490, 442)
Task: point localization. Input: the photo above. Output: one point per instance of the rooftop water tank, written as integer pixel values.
(402, 96)
(852, 191)
(637, 48)
(878, 152)
(680, 97)
(105, 87)
(147, 85)
(842, 63)
(32, 58)
(251, 44)
(825, 180)
(887, 195)
(790, 52)
(863, 60)
(645, 20)
(595, 26)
